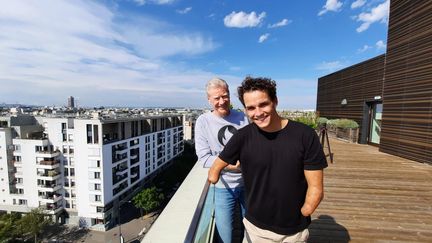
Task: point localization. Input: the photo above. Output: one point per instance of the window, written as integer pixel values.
(89, 133)
(99, 209)
(96, 134)
(122, 130)
(97, 198)
(97, 175)
(72, 171)
(97, 187)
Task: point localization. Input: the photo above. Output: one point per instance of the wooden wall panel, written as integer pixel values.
(358, 84)
(407, 92)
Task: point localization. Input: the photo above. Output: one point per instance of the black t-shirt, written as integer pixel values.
(273, 167)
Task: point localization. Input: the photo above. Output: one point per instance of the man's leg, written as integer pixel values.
(224, 212)
(241, 199)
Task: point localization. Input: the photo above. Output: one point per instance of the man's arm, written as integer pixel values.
(215, 170)
(202, 146)
(315, 191)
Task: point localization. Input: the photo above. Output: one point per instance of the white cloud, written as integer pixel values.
(379, 13)
(263, 37)
(331, 5)
(380, 45)
(358, 4)
(184, 11)
(283, 22)
(47, 54)
(330, 66)
(364, 48)
(158, 2)
(243, 20)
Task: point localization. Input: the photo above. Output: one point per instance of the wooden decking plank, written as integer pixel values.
(373, 197)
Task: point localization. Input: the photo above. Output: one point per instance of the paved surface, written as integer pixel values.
(130, 231)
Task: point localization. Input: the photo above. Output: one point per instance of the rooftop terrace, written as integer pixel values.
(369, 197)
(373, 196)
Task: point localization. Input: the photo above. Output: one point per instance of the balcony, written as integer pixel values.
(50, 162)
(48, 175)
(51, 208)
(17, 163)
(49, 187)
(119, 177)
(118, 158)
(51, 198)
(48, 153)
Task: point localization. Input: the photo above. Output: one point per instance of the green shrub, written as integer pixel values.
(308, 120)
(342, 123)
(322, 121)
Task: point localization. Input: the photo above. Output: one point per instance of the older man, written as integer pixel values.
(212, 132)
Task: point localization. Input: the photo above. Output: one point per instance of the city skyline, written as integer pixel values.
(161, 52)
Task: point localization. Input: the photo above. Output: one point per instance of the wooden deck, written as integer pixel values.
(373, 197)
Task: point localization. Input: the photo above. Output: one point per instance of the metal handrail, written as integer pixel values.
(190, 236)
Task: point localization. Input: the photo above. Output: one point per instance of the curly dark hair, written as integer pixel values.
(262, 84)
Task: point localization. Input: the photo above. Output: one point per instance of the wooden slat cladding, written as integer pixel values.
(358, 83)
(407, 115)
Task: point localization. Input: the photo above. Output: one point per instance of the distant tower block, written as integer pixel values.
(71, 102)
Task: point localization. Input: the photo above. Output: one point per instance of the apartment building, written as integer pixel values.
(80, 169)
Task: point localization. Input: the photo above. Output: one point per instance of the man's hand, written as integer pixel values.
(234, 168)
(215, 170)
(315, 191)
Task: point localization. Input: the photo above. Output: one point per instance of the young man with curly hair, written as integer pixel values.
(282, 165)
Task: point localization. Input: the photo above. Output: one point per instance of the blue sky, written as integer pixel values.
(146, 53)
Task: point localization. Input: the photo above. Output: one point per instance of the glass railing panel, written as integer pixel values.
(202, 227)
(205, 230)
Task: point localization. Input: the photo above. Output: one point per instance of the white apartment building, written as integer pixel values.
(80, 169)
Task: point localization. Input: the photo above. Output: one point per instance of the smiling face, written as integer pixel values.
(261, 110)
(219, 99)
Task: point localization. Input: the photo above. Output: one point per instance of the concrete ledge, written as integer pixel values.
(173, 223)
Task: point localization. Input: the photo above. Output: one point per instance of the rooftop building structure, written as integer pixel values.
(71, 102)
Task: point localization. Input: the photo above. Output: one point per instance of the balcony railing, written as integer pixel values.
(49, 162)
(188, 215)
(202, 226)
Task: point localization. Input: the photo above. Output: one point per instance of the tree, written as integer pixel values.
(9, 227)
(34, 222)
(148, 199)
